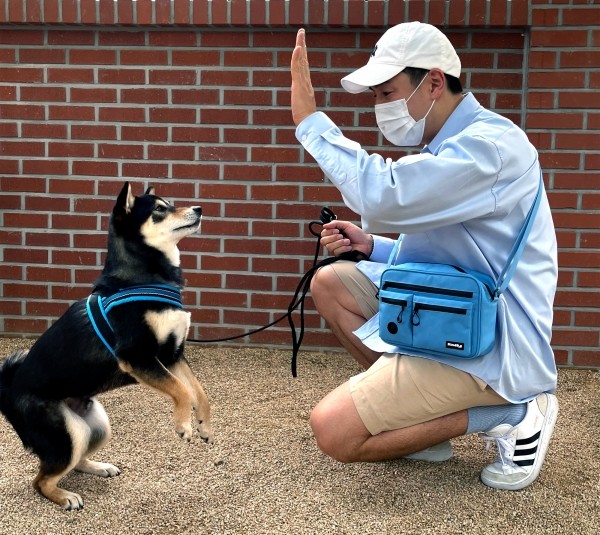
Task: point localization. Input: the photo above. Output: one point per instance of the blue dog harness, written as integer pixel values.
(98, 307)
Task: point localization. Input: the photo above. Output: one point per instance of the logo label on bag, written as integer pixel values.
(455, 345)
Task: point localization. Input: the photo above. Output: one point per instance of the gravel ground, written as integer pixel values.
(265, 475)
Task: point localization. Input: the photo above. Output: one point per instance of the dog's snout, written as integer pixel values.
(197, 209)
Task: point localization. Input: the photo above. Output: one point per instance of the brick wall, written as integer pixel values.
(193, 96)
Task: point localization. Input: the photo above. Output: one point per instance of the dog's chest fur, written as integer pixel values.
(167, 323)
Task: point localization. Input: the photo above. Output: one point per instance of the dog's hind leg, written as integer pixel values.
(201, 405)
(95, 417)
(46, 484)
(60, 441)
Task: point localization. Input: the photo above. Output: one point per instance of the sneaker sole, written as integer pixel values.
(436, 454)
(544, 441)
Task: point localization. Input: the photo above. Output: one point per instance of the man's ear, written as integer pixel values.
(150, 191)
(125, 200)
(438, 83)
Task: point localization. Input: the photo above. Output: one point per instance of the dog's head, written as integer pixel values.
(155, 220)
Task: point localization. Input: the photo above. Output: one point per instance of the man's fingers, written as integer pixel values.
(301, 38)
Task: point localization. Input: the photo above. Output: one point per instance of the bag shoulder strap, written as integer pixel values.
(511, 264)
(515, 254)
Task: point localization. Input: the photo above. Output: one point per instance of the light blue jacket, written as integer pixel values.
(462, 201)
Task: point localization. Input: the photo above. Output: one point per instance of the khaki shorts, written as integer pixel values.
(399, 390)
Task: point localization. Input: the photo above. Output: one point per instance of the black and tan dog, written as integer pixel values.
(131, 329)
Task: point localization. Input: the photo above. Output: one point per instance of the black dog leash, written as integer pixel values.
(326, 216)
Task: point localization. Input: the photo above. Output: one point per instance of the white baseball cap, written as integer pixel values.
(410, 44)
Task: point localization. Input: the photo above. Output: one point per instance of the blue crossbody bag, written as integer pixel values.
(444, 310)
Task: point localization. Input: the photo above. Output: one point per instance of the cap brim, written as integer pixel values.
(370, 75)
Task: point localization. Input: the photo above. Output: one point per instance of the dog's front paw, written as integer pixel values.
(184, 431)
(205, 431)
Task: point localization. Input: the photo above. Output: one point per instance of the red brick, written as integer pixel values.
(21, 75)
(120, 151)
(580, 16)
(66, 149)
(545, 17)
(46, 239)
(172, 77)
(477, 11)
(543, 59)
(145, 170)
(558, 37)
(555, 120)
(118, 115)
(77, 113)
(93, 132)
(181, 12)
(200, 12)
(125, 12)
(143, 12)
(586, 358)
(107, 13)
(46, 130)
(94, 168)
(63, 38)
(121, 76)
(580, 58)
(519, 13)
(144, 96)
(43, 94)
(172, 39)
(69, 75)
(578, 99)
(554, 79)
(92, 57)
(93, 95)
(22, 148)
(174, 152)
(583, 141)
(144, 133)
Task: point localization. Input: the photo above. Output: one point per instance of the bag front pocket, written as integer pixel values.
(394, 317)
(442, 325)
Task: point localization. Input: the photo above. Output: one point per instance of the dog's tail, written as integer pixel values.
(7, 372)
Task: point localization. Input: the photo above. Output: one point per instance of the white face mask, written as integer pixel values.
(397, 124)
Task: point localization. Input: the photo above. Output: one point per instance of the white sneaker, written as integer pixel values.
(521, 448)
(435, 454)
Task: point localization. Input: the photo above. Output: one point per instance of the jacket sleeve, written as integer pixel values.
(415, 193)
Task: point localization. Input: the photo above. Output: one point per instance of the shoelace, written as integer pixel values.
(504, 445)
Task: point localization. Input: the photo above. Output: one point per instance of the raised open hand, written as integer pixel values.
(303, 95)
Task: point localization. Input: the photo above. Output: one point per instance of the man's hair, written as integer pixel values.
(415, 76)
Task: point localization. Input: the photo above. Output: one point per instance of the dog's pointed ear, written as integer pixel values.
(150, 191)
(125, 199)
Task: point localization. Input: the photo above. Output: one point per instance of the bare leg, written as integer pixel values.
(341, 434)
(341, 312)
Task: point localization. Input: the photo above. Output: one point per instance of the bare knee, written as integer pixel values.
(331, 439)
(325, 287)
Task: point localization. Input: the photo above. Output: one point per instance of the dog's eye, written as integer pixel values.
(159, 208)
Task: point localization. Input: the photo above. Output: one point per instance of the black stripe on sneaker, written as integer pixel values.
(533, 438)
(523, 453)
(525, 462)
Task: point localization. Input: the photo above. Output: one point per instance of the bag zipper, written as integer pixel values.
(415, 319)
(426, 289)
